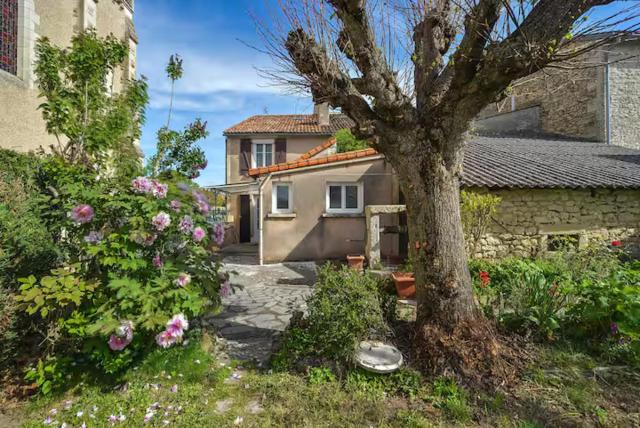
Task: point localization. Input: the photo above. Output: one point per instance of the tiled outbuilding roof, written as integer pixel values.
(508, 162)
(292, 124)
(301, 163)
(317, 149)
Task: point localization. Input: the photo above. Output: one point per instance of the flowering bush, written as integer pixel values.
(138, 270)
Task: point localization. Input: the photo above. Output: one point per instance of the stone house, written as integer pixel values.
(565, 165)
(22, 22)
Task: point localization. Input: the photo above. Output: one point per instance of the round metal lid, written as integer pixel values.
(378, 357)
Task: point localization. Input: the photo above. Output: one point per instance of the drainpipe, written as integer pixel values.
(607, 100)
(261, 219)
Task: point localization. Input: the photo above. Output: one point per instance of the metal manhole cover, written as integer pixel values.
(378, 357)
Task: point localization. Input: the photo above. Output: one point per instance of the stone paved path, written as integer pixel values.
(255, 316)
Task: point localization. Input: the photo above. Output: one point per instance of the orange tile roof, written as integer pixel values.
(301, 163)
(311, 153)
(284, 124)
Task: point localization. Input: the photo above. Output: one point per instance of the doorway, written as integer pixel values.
(245, 218)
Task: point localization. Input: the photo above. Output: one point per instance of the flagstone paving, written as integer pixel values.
(259, 310)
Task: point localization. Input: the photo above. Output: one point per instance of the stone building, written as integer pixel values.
(22, 22)
(593, 97)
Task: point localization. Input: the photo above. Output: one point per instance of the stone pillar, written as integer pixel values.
(373, 238)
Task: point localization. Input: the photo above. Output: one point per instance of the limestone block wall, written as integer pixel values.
(21, 124)
(624, 88)
(528, 218)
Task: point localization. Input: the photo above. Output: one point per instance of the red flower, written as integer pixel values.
(485, 279)
(616, 243)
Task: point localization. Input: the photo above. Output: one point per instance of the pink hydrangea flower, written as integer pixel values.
(225, 289)
(161, 221)
(82, 213)
(177, 325)
(198, 234)
(157, 261)
(203, 207)
(175, 205)
(165, 339)
(142, 185)
(186, 224)
(218, 233)
(183, 279)
(122, 337)
(159, 190)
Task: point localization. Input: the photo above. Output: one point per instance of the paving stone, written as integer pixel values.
(223, 406)
(255, 316)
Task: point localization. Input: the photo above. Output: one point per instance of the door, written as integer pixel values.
(245, 218)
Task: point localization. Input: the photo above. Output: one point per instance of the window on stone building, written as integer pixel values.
(562, 242)
(9, 36)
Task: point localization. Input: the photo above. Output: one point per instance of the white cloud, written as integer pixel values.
(207, 103)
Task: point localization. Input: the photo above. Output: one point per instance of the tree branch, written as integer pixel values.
(358, 43)
(327, 81)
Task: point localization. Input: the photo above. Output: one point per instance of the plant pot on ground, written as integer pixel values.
(405, 284)
(356, 262)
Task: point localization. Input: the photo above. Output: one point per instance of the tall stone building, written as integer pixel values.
(22, 22)
(593, 97)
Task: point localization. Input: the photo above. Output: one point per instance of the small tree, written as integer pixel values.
(177, 151)
(476, 210)
(89, 121)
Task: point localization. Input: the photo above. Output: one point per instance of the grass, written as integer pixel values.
(187, 387)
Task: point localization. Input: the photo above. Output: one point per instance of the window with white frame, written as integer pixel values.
(262, 153)
(282, 198)
(344, 198)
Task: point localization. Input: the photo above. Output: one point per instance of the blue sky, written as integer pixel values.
(220, 83)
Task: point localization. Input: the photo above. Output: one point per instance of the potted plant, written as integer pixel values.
(405, 281)
(356, 262)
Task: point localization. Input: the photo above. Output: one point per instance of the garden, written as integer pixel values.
(108, 266)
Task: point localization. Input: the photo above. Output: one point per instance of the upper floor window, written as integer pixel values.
(262, 154)
(345, 198)
(9, 36)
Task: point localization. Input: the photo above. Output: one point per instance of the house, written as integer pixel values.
(22, 22)
(293, 194)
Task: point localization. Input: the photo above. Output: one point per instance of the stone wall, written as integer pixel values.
(624, 87)
(528, 218)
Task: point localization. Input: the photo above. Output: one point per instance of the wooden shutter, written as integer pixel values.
(281, 150)
(245, 156)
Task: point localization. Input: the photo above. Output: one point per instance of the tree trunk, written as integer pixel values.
(452, 335)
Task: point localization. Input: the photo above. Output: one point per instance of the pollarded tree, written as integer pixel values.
(413, 74)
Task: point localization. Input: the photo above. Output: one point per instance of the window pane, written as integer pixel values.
(282, 197)
(335, 197)
(351, 197)
(268, 157)
(9, 36)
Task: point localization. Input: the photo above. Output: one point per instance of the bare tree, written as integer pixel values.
(413, 74)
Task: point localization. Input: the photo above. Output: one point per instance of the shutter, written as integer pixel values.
(245, 156)
(281, 150)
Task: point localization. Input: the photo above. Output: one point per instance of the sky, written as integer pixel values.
(220, 83)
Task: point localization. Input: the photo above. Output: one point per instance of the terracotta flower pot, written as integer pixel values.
(405, 284)
(356, 262)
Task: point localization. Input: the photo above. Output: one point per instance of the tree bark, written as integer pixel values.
(452, 336)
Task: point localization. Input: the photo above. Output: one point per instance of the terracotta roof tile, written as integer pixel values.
(306, 124)
(301, 163)
(319, 148)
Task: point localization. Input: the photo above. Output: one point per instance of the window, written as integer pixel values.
(262, 154)
(562, 242)
(282, 201)
(346, 198)
(9, 36)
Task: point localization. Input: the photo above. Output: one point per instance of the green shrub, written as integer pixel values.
(344, 309)
(347, 142)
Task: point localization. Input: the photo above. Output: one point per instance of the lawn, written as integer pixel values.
(188, 387)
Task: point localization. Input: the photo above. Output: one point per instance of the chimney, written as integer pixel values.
(321, 110)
